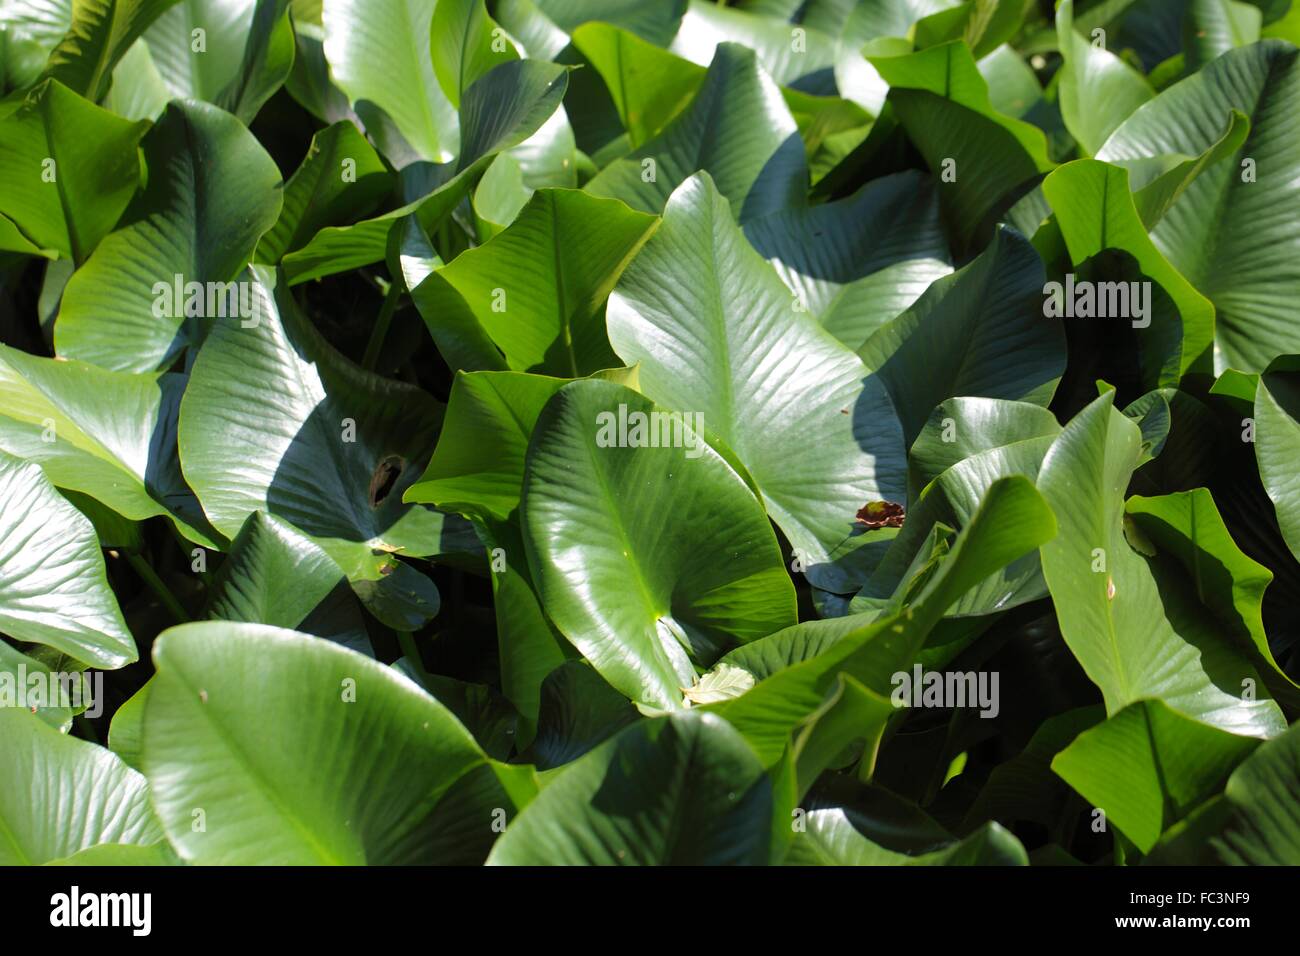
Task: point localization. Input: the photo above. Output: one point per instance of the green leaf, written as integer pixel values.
(298, 751)
(1148, 766)
(803, 62)
(655, 23)
(979, 332)
(1188, 526)
(212, 192)
(232, 53)
(858, 262)
(379, 54)
(266, 61)
(794, 644)
(478, 467)
(33, 29)
(1228, 233)
(1096, 212)
(710, 804)
(67, 169)
(340, 179)
(649, 85)
(110, 435)
(1013, 520)
(500, 111)
(323, 444)
(1136, 634)
(55, 706)
(1277, 442)
(578, 711)
(717, 334)
(983, 160)
(466, 44)
(977, 425)
(639, 604)
(63, 795)
(100, 33)
(272, 575)
(981, 452)
(982, 24)
(737, 128)
(53, 587)
(829, 838)
(1098, 90)
(535, 294)
(1264, 796)
(1216, 26)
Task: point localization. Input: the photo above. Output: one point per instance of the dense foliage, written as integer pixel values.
(649, 431)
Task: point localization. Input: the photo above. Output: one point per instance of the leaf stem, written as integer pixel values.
(160, 590)
(412, 653)
(382, 322)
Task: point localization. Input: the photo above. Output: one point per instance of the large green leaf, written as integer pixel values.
(1277, 443)
(379, 53)
(500, 111)
(858, 262)
(639, 597)
(1137, 631)
(1264, 794)
(266, 746)
(718, 333)
(67, 170)
(1229, 232)
(110, 435)
(193, 48)
(709, 805)
(467, 43)
(1095, 212)
(63, 795)
(829, 838)
(266, 61)
(1012, 520)
(33, 28)
(979, 332)
(1187, 526)
(100, 33)
(1148, 765)
(340, 179)
(989, 439)
(273, 575)
(737, 128)
(649, 85)
(804, 60)
(1097, 89)
(983, 161)
(478, 466)
(577, 712)
(212, 192)
(55, 706)
(53, 588)
(323, 444)
(653, 22)
(478, 470)
(533, 297)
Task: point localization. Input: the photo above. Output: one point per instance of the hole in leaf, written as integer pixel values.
(384, 478)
